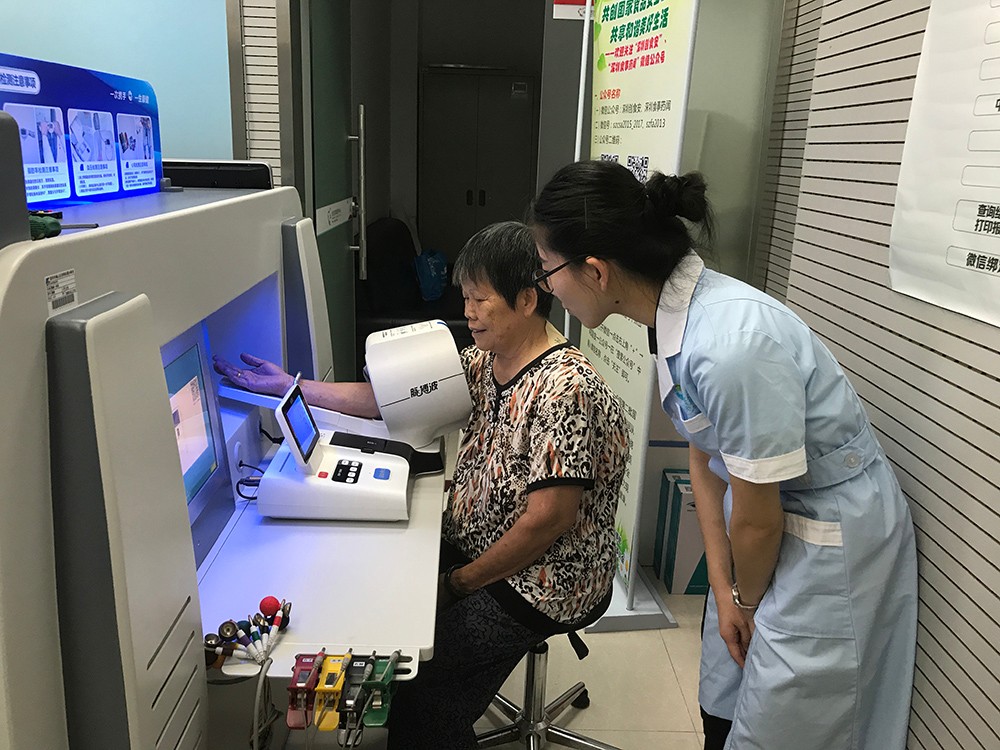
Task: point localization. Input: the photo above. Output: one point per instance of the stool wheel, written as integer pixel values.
(582, 700)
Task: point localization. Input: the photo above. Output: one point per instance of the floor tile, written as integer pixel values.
(630, 678)
(631, 740)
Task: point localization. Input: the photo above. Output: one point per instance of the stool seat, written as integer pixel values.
(534, 724)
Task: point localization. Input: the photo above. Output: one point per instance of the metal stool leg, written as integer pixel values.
(501, 736)
(533, 725)
(560, 704)
(506, 707)
(566, 738)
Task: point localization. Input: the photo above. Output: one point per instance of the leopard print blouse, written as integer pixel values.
(556, 422)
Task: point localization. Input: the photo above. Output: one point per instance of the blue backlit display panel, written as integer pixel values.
(85, 136)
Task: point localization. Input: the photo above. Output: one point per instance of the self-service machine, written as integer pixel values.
(119, 468)
(420, 387)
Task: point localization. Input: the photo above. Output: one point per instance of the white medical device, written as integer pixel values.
(355, 478)
(418, 380)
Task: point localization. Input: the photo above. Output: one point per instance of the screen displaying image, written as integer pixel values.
(303, 428)
(43, 150)
(85, 135)
(192, 427)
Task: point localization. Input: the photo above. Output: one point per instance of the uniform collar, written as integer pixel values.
(672, 308)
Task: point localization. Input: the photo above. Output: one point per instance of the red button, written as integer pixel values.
(323, 474)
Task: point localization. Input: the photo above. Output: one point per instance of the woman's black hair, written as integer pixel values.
(503, 255)
(598, 209)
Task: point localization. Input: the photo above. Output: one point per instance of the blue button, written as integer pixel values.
(381, 473)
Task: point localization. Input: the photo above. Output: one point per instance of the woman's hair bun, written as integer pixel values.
(669, 196)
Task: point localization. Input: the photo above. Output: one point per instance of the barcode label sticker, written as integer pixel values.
(60, 290)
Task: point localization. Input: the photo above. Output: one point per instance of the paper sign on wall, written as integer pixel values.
(945, 239)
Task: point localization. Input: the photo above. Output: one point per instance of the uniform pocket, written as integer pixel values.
(797, 692)
(809, 593)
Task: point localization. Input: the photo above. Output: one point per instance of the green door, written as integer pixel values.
(332, 122)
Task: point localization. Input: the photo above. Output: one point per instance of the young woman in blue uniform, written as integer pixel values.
(811, 627)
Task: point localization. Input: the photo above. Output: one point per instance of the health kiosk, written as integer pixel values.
(121, 543)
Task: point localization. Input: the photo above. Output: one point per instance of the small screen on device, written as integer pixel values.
(304, 431)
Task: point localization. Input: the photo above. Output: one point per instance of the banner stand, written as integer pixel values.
(641, 57)
(648, 612)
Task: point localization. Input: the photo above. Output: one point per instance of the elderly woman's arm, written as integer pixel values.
(260, 376)
(551, 512)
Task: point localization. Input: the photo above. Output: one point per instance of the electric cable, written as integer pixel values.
(244, 465)
(276, 441)
(261, 683)
(247, 482)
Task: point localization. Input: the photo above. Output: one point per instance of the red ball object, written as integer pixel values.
(269, 606)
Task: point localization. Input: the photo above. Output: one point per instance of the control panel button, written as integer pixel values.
(346, 471)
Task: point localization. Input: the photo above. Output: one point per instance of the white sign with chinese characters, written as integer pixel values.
(333, 215)
(945, 240)
(642, 68)
(619, 349)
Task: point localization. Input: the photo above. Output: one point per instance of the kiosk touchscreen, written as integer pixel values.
(192, 426)
(198, 431)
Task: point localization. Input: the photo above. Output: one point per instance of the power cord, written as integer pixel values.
(247, 482)
(264, 712)
(276, 441)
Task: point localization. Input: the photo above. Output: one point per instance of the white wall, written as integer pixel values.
(180, 47)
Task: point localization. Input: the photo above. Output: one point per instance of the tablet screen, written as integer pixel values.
(305, 434)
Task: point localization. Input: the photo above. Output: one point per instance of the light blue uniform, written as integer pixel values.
(830, 665)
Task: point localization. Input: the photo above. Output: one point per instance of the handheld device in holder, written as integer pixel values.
(299, 428)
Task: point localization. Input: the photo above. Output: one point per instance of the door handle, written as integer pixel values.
(482, 197)
(362, 247)
(468, 197)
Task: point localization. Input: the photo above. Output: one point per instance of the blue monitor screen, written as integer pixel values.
(303, 427)
(85, 135)
(192, 428)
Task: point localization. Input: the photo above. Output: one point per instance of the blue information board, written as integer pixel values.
(85, 136)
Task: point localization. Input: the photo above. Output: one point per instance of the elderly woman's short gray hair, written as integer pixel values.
(503, 255)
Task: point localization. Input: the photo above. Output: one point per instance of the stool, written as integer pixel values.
(533, 725)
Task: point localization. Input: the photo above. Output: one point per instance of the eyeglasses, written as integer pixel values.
(541, 277)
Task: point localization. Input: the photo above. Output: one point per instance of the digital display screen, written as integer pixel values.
(304, 430)
(85, 135)
(192, 428)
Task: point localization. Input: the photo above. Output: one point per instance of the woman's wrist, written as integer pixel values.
(454, 583)
(740, 603)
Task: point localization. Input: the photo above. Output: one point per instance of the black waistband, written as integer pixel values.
(520, 608)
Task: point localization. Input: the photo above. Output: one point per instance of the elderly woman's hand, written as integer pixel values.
(260, 376)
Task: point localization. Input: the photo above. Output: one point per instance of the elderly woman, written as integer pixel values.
(529, 545)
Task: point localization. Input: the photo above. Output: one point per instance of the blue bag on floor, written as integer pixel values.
(432, 273)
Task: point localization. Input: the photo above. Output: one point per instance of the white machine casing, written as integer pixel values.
(310, 478)
(418, 380)
(286, 492)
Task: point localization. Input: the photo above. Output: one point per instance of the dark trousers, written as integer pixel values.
(476, 647)
(715, 728)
